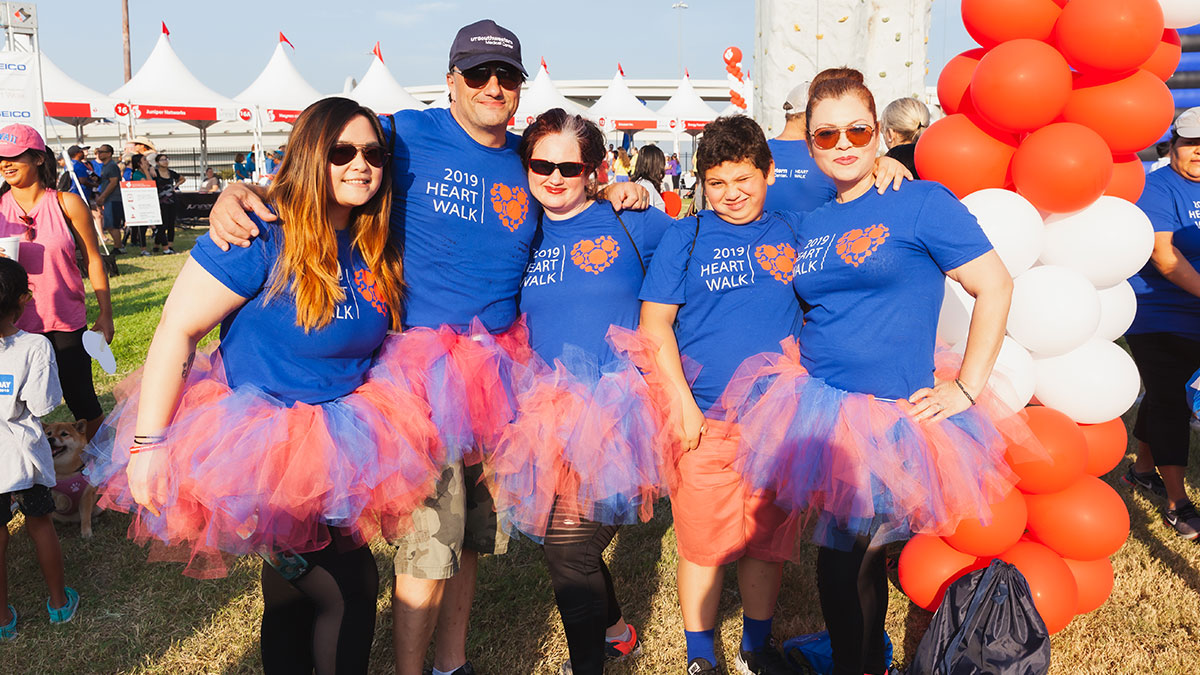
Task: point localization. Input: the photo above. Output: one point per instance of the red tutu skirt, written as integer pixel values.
(248, 474)
(602, 442)
(470, 381)
(858, 465)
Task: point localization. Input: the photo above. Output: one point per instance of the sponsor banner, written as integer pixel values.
(148, 111)
(694, 125)
(140, 198)
(634, 125)
(21, 90)
(288, 116)
(79, 110)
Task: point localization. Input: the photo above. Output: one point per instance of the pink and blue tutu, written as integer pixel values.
(470, 380)
(600, 441)
(250, 474)
(857, 465)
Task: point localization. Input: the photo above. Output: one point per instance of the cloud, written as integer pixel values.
(413, 15)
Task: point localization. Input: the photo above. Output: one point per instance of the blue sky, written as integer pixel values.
(227, 43)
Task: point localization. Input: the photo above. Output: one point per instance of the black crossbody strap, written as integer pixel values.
(636, 251)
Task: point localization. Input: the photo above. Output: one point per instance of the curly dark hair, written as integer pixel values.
(734, 138)
(14, 282)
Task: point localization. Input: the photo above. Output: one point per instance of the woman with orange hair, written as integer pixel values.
(284, 441)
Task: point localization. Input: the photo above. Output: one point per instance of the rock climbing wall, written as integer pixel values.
(795, 39)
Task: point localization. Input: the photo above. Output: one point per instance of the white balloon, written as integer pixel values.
(1107, 242)
(1117, 308)
(1054, 310)
(955, 317)
(1180, 13)
(1013, 379)
(1092, 384)
(1011, 223)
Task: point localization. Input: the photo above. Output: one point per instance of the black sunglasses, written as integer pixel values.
(479, 76)
(342, 154)
(568, 169)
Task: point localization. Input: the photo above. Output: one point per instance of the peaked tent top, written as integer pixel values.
(379, 90)
(68, 99)
(164, 88)
(619, 109)
(279, 88)
(686, 109)
(541, 95)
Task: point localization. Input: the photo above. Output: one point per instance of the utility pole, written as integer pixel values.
(125, 38)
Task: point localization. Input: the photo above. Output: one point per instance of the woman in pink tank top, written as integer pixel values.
(49, 225)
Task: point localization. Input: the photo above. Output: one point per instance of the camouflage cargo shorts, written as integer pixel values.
(460, 515)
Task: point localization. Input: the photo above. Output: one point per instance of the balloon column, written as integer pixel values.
(735, 77)
(1043, 120)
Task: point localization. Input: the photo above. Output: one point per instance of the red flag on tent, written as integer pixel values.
(544, 65)
(164, 29)
(620, 70)
(686, 73)
(376, 51)
(283, 38)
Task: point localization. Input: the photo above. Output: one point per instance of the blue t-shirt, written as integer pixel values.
(799, 184)
(262, 346)
(83, 174)
(733, 285)
(584, 276)
(871, 277)
(1173, 204)
(244, 170)
(464, 219)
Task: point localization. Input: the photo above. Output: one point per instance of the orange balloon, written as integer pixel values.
(1093, 581)
(1129, 178)
(1050, 582)
(1165, 58)
(1063, 444)
(1061, 167)
(928, 566)
(1130, 113)
(1021, 85)
(954, 83)
(1106, 445)
(990, 22)
(673, 203)
(1086, 521)
(1005, 528)
(965, 156)
(1109, 36)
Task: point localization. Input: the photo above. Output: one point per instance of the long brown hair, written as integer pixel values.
(308, 263)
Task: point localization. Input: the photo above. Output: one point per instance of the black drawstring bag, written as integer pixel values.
(986, 624)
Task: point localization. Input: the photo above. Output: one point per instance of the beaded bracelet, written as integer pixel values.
(963, 389)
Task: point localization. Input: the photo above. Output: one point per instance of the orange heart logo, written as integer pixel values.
(595, 255)
(511, 204)
(364, 283)
(858, 244)
(778, 259)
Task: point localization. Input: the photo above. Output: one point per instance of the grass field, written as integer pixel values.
(139, 617)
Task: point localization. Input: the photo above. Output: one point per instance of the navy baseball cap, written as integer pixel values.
(485, 41)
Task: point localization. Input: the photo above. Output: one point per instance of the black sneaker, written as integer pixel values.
(701, 666)
(1150, 481)
(1184, 519)
(767, 660)
(464, 669)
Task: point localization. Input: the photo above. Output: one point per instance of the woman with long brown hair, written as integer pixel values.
(285, 441)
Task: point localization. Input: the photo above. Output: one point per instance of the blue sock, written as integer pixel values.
(754, 633)
(700, 644)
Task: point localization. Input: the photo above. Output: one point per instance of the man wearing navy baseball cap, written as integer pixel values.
(462, 210)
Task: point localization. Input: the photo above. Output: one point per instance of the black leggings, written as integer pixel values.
(854, 597)
(323, 621)
(1166, 363)
(75, 374)
(165, 234)
(137, 235)
(583, 586)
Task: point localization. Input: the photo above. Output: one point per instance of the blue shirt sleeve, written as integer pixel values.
(948, 230)
(666, 275)
(648, 227)
(1158, 204)
(242, 270)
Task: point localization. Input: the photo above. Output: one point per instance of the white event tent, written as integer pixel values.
(69, 101)
(541, 95)
(618, 109)
(379, 90)
(685, 111)
(280, 92)
(163, 88)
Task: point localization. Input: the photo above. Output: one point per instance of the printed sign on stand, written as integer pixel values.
(140, 198)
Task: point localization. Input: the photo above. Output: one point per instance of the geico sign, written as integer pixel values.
(12, 66)
(14, 113)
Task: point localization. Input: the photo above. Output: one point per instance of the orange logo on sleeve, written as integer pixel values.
(778, 259)
(364, 283)
(595, 255)
(512, 205)
(858, 244)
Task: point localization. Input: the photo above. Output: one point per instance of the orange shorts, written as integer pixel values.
(717, 518)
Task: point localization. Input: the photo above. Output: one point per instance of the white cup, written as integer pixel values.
(11, 246)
